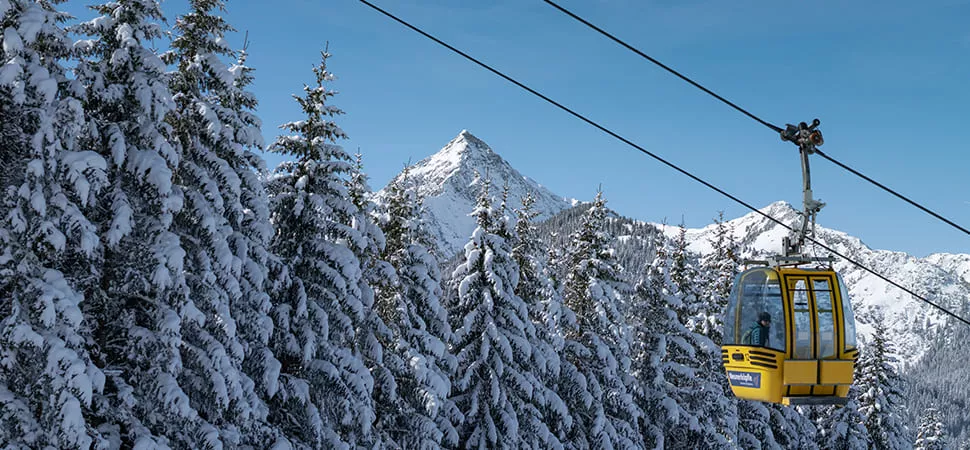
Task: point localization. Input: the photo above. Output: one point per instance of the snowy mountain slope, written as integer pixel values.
(942, 278)
(446, 180)
(956, 263)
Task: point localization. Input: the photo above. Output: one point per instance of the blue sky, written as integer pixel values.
(887, 79)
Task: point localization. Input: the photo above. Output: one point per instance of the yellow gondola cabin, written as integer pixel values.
(801, 348)
(808, 355)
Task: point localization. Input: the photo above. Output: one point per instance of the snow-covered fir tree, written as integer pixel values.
(223, 231)
(596, 368)
(536, 289)
(791, 429)
(413, 311)
(931, 434)
(137, 311)
(698, 384)
(49, 247)
(842, 427)
(718, 270)
(656, 328)
(754, 426)
(686, 279)
(252, 231)
(373, 338)
(495, 387)
(881, 391)
(324, 394)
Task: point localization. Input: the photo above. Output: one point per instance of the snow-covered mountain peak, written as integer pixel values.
(468, 144)
(779, 210)
(464, 150)
(447, 181)
(782, 211)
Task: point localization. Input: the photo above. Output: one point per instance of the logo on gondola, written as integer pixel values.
(745, 379)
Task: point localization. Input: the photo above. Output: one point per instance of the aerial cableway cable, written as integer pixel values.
(654, 156)
(893, 192)
(775, 128)
(633, 49)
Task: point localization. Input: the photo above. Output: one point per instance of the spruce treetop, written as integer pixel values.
(483, 212)
(317, 129)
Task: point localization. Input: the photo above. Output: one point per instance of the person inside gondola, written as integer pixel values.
(758, 334)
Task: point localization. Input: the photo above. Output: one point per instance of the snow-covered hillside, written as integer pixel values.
(941, 277)
(955, 263)
(447, 182)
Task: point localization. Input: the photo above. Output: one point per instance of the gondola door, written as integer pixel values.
(826, 339)
(812, 333)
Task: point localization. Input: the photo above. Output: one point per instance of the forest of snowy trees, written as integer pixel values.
(161, 288)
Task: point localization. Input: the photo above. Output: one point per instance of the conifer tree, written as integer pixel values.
(526, 252)
(324, 394)
(657, 331)
(699, 386)
(685, 277)
(754, 425)
(496, 386)
(504, 208)
(251, 228)
(791, 429)
(719, 268)
(223, 230)
(545, 310)
(373, 338)
(931, 434)
(136, 307)
(881, 391)
(49, 246)
(556, 263)
(414, 312)
(842, 427)
(596, 381)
